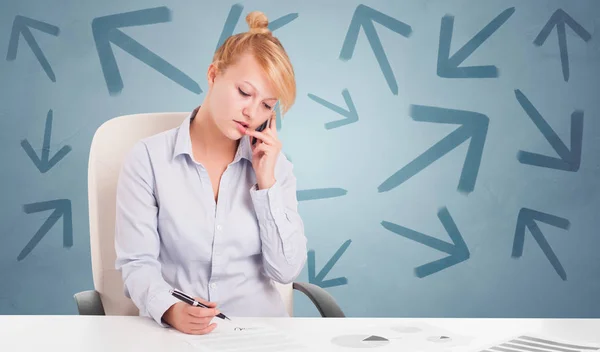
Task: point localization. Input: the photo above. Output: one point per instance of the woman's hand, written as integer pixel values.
(265, 153)
(192, 320)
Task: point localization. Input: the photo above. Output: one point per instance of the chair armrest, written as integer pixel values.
(89, 303)
(324, 302)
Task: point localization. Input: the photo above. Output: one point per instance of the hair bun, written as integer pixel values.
(258, 22)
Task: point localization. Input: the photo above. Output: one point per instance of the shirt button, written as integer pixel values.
(219, 227)
(213, 285)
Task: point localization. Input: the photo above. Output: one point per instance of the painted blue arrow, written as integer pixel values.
(318, 279)
(527, 218)
(319, 193)
(448, 67)
(62, 208)
(351, 114)
(21, 25)
(569, 160)
(364, 17)
(559, 18)
(457, 250)
(474, 127)
(234, 17)
(106, 31)
(45, 163)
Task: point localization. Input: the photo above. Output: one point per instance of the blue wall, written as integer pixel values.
(469, 185)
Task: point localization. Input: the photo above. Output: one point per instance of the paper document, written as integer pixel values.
(529, 343)
(229, 336)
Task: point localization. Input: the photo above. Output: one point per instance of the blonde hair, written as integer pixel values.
(269, 53)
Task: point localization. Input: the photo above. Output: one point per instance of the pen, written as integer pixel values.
(189, 300)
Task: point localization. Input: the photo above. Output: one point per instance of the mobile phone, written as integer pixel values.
(260, 129)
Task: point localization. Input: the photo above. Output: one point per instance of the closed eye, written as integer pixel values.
(243, 93)
(267, 106)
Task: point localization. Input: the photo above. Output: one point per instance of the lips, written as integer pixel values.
(243, 124)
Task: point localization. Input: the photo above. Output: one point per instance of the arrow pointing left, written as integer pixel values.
(45, 163)
(62, 208)
(22, 25)
(106, 31)
(318, 279)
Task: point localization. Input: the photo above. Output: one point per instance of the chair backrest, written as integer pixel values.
(110, 144)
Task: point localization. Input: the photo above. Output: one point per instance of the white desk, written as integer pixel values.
(110, 333)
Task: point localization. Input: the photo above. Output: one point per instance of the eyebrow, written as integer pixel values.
(259, 91)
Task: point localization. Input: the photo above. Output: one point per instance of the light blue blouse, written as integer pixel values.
(170, 232)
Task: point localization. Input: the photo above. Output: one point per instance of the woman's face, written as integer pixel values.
(241, 95)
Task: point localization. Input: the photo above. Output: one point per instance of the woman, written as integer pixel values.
(202, 209)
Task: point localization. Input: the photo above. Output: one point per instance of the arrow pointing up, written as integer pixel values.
(105, 30)
(527, 218)
(351, 114)
(319, 278)
(364, 17)
(44, 163)
(449, 66)
(457, 250)
(21, 25)
(234, 17)
(559, 18)
(62, 208)
(474, 127)
(569, 160)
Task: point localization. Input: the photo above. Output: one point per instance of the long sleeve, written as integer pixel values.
(137, 242)
(280, 225)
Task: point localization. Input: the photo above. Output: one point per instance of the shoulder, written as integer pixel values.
(153, 148)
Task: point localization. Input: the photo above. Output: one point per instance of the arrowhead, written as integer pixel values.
(44, 163)
(62, 208)
(319, 278)
(558, 19)
(364, 16)
(21, 26)
(569, 159)
(351, 114)
(105, 31)
(474, 127)
(527, 219)
(458, 250)
(448, 67)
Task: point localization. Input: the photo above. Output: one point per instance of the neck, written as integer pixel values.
(208, 140)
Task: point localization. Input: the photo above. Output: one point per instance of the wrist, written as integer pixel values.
(264, 184)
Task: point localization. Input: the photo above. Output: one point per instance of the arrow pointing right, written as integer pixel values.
(527, 218)
(44, 163)
(569, 160)
(351, 114)
(559, 18)
(457, 250)
(62, 208)
(474, 127)
(105, 30)
(319, 278)
(21, 25)
(364, 16)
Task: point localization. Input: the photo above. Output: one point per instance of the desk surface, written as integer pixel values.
(118, 333)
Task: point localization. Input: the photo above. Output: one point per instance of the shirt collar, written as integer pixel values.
(183, 142)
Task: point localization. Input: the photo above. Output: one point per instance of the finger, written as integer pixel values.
(202, 331)
(261, 136)
(200, 312)
(199, 322)
(262, 148)
(208, 303)
(273, 125)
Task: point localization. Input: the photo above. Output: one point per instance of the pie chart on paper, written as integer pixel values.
(360, 341)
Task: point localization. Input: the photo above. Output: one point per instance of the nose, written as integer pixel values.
(250, 110)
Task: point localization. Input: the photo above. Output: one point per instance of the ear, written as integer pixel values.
(211, 74)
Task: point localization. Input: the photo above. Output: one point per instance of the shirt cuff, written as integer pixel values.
(159, 304)
(268, 202)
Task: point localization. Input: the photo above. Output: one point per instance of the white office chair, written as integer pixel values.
(111, 142)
